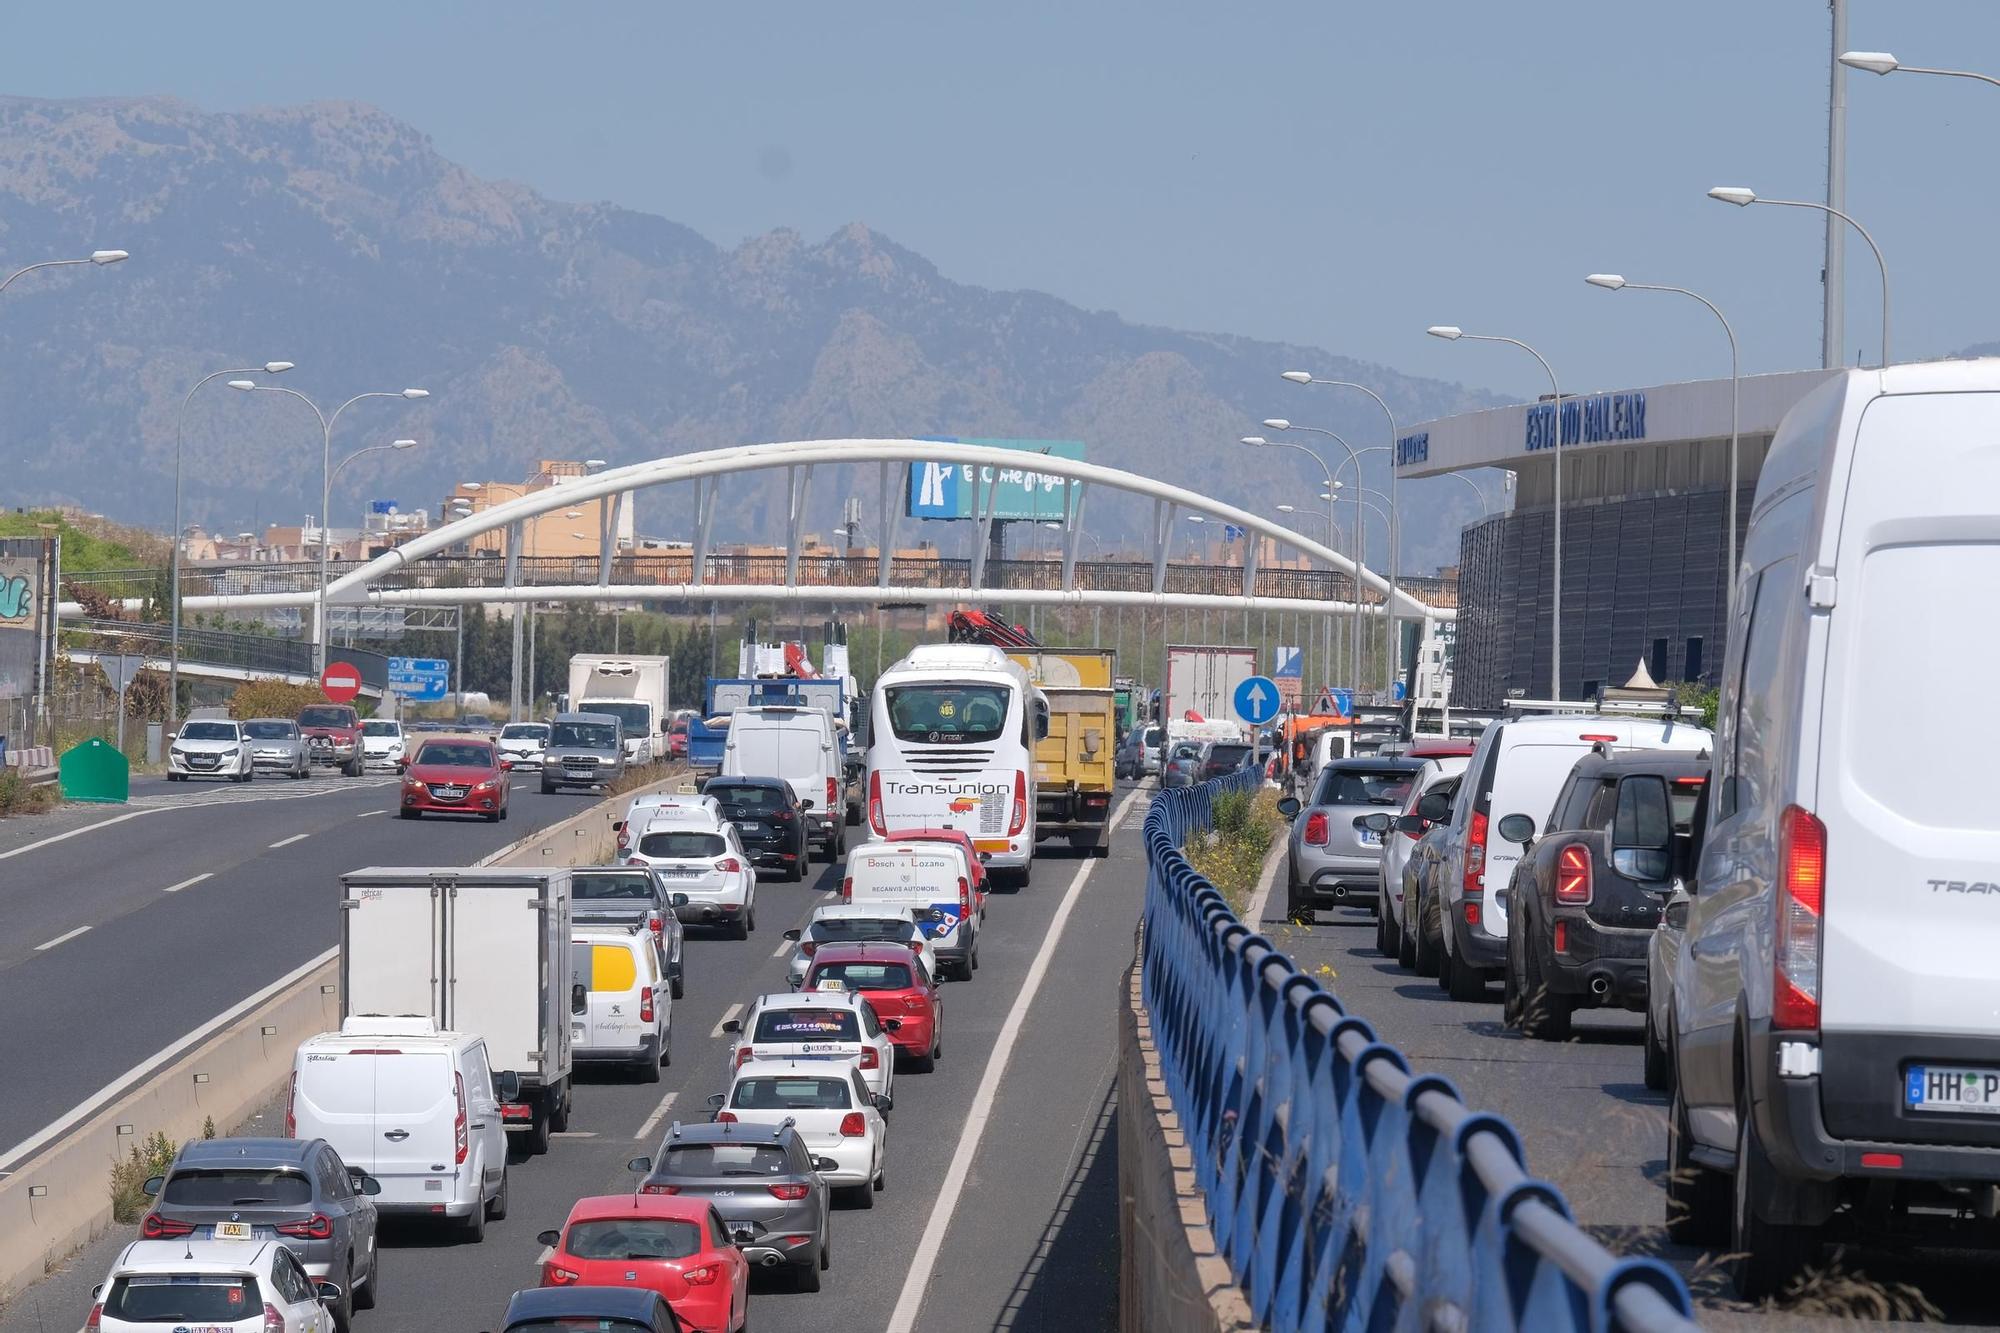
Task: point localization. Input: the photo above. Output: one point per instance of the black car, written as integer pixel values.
(1588, 892)
(601, 1309)
(1221, 758)
(769, 821)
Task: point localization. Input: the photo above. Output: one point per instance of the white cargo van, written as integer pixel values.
(627, 1012)
(800, 746)
(933, 880)
(1836, 1016)
(414, 1107)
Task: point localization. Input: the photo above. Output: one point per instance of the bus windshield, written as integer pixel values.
(948, 714)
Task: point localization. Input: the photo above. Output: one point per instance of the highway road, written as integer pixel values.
(1032, 1241)
(137, 924)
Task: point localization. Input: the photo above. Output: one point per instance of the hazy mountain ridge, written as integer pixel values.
(335, 236)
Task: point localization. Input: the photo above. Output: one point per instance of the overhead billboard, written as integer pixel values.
(943, 489)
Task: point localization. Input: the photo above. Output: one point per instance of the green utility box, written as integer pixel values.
(95, 771)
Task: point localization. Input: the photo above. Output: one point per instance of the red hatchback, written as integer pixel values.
(891, 981)
(677, 739)
(958, 838)
(676, 1246)
(455, 775)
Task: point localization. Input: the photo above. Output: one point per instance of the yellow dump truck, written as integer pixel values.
(1073, 763)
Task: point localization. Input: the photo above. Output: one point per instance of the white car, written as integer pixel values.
(816, 1025)
(210, 747)
(523, 742)
(648, 801)
(850, 923)
(831, 1106)
(216, 1286)
(1439, 773)
(382, 742)
(699, 859)
(628, 1014)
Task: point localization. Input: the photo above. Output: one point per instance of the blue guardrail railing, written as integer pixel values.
(1347, 1190)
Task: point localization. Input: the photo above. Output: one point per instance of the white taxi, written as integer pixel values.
(228, 1286)
(696, 855)
(830, 1105)
(646, 802)
(850, 923)
(822, 1024)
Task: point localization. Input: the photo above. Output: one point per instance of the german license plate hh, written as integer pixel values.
(1952, 1088)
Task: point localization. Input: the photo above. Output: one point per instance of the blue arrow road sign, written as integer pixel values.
(1257, 700)
(420, 678)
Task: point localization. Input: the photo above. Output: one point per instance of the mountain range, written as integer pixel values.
(336, 237)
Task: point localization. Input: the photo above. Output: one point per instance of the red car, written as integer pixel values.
(455, 775)
(676, 1246)
(958, 838)
(677, 739)
(890, 980)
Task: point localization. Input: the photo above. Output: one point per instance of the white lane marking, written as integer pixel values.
(62, 938)
(784, 947)
(286, 842)
(190, 883)
(89, 1107)
(75, 832)
(368, 813)
(733, 1011)
(659, 1114)
(924, 1261)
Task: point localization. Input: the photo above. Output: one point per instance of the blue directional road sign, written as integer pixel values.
(1257, 700)
(420, 678)
(1290, 662)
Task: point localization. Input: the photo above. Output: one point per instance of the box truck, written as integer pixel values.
(631, 689)
(1201, 687)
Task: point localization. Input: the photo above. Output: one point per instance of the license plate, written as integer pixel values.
(677, 872)
(1368, 837)
(989, 845)
(1952, 1088)
(233, 1231)
(751, 828)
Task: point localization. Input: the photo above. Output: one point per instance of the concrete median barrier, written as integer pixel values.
(55, 1194)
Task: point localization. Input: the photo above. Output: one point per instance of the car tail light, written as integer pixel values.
(725, 1117)
(635, 860)
(155, 1227)
(1316, 829)
(459, 1139)
(559, 1277)
(1562, 937)
(808, 947)
(916, 1004)
(646, 1006)
(654, 1187)
(273, 1321)
(1883, 1161)
(852, 1126)
(1573, 874)
(916, 946)
(1471, 914)
(703, 1274)
(1802, 872)
(291, 1115)
(876, 820)
(847, 888)
(657, 922)
(964, 896)
(1019, 820)
(870, 1058)
(790, 1193)
(317, 1227)
(729, 865)
(744, 1055)
(832, 793)
(1475, 854)
(95, 1321)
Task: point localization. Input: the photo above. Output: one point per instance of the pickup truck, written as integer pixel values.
(332, 735)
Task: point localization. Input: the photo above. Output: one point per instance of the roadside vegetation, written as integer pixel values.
(272, 698)
(147, 1159)
(1231, 854)
(18, 796)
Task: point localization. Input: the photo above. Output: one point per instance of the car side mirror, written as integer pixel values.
(643, 1165)
(329, 1293)
(792, 935)
(506, 765)
(1375, 821)
(97, 1292)
(825, 1164)
(402, 761)
(1411, 824)
(734, 1025)
(883, 1102)
(507, 1083)
(617, 826)
(679, 900)
(806, 804)
(1435, 807)
(152, 1186)
(1517, 828)
(548, 1238)
(715, 1100)
(1288, 806)
(892, 1024)
(985, 857)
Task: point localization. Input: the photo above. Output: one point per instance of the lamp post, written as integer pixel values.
(1616, 282)
(326, 423)
(101, 258)
(1354, 457)
(1452, 333)
(174, 578)
(1743, 198)
(1881, 62)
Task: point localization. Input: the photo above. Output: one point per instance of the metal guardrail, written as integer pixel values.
(1348, 1191)
(262, 653)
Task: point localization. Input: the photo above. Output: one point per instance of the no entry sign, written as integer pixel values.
(340, 682)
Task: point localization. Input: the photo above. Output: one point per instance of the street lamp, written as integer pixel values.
(1881, 62)
(1452, 333)
(101, 258)
(1743, 198)
(326, 423)
(1356, 547)
(1614, 282)
(180, 537)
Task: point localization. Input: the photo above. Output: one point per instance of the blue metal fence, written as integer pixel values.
(1347, 1190)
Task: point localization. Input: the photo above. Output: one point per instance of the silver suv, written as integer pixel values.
(1330, 860)
(764, 1182)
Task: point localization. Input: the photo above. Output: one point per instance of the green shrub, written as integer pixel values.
(1230, 855)
(129, 1200)
(18, 796)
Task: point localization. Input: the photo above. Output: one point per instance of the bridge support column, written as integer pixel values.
(513, 579)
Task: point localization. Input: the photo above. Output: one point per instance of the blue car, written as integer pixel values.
(613, 1310)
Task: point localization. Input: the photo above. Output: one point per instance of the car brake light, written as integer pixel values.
(876, 820)
(646, 1006)
(914, 1003)
(729, 865)
(1883, 1161)
(460, 1141)
(1019, 820)
(654, 1187)
(789, 1193)
(1471, 914)
(847, 888)
(1802, 873)
(725, 1117)
(1562, 937)
(704, 1274)
(1595, 736)
(316, 1227)
(1475, 854)
(832, 793)
(807, 947)
(964, 896)
(657, 922)
(291, 1116)
(916, 945)
(155, 1227)
(561, 1277)
(1316, 829)
(870, 1058)
(95, 1322)
(273, 1321)
(852, 1126)
(1690, 782)
(743, 1055)
(1573, 874)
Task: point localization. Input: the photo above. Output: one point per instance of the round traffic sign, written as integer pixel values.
(1256, 700)
(340, 682)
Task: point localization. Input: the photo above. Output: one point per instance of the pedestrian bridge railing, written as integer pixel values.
(1347, 1190)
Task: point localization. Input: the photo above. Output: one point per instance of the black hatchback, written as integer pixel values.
(769, 821)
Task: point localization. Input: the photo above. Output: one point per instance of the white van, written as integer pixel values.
(931, 878)
(1837, 975)
(800, 746)
(1517, 768)
(412, 1106)
(627, 1015)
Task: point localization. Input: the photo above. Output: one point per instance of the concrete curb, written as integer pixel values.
(56, 1199)
(1253, 915)
(1171, 1278)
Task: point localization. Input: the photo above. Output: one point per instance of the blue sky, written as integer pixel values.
(1335, 173)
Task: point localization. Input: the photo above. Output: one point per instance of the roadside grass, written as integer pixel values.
(18, 796)
(129, 1200)
(1230, 855)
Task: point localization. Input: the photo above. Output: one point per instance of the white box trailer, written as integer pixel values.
(632, 689)
(475, 949)
(1202, 680)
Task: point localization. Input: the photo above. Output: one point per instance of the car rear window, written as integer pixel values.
(725, 1159)
(633, 1238)
(785, 1025)
(596, 888)
(170, 1298)
(381, 728)
(578, 1324)
(1228, 756)
(860, 930)
(791, 1093)
(456, 754)
(237, 1187)
(320, 715)
(1358, 786)
(583, 736)
(863, 976)
(748, 797)
(268, 731)
(681, 845)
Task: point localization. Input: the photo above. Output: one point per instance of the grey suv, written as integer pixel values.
(1329, 860)
(764, 1182)
(584, 750)
(295, 1191)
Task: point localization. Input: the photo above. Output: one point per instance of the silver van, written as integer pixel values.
(583, 750)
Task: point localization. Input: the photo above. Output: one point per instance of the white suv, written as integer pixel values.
(700, 861)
